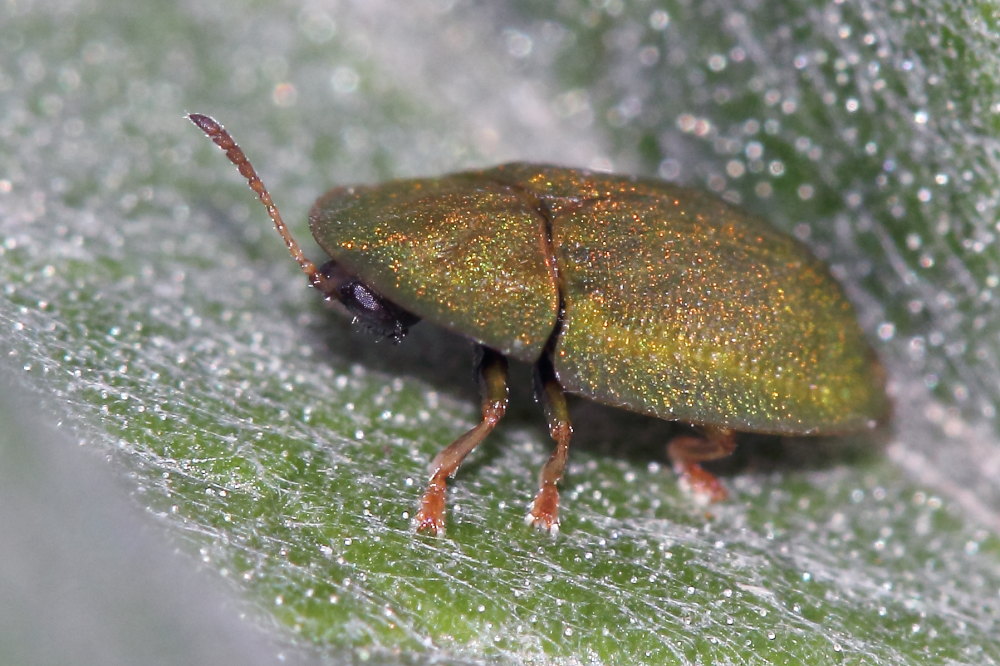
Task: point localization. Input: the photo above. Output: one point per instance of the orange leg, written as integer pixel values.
(687, 451)
(544, 513)
(492, 371)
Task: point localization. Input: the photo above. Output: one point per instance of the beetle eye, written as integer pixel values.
(361, 295)
(376, 313)
(379, 315)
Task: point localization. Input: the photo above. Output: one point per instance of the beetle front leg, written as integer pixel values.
(492, 372)
(544, 513)
(687, 451)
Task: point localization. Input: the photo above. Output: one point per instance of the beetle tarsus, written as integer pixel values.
(430, 516)
(544, 513)
(701, 484)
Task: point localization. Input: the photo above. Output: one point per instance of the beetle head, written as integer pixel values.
(370, 309)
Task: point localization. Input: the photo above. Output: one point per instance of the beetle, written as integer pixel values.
(634, 293)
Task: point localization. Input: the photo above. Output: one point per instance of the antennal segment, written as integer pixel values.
(218, 134)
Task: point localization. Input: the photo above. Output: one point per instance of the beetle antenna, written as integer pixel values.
(218, 134)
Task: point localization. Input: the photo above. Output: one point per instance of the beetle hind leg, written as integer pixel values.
(544, 513)
(492, 372)
(686, 452)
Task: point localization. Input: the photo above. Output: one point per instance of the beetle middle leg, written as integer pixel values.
(686, 452)
(544, 513)
(492, 372)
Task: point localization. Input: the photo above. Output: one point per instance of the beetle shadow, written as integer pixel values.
(643, 439)
(248, 238)
(441, 359)
(445, 362)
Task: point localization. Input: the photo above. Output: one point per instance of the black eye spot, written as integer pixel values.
(364, 298)
(376, 313)
(369, 308)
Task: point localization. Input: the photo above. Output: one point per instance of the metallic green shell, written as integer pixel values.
(674, 304)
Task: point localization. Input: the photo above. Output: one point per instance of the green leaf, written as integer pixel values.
(150, 310)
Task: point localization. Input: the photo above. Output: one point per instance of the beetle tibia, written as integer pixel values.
(492, 371)
(544, 513)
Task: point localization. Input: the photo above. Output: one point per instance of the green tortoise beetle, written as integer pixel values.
(634, 293)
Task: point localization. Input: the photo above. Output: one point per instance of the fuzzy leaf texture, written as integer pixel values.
(147, 307)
